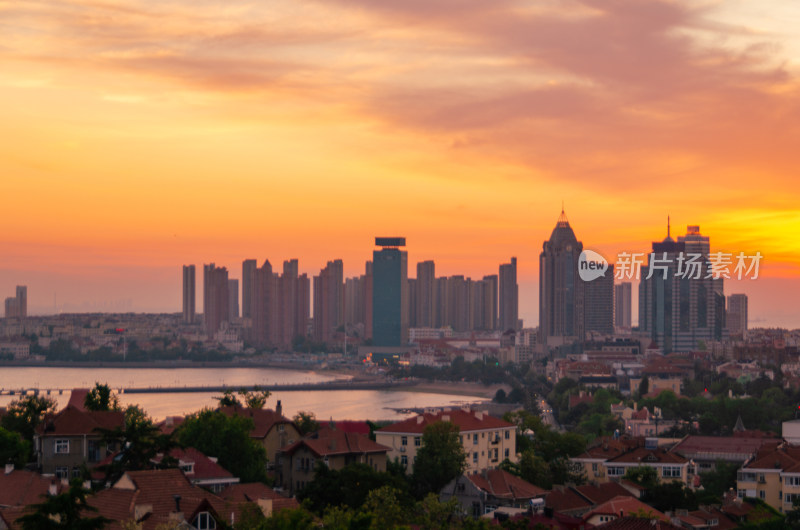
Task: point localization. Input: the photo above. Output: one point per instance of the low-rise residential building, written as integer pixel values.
(270, 427)
(482, 493)
(670, 467)
(297, 463)
(603, 449)
(706, 451)
(578, 500)
(19, 487)
(622, 506)
(772, 475)
(71, 438)
(486, 440)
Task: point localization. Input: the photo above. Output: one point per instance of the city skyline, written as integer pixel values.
(223, 132)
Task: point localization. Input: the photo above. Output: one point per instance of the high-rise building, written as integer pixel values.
(293, 303)
(561, 296)
(189, 288)
(426, 294)
(215, 297)
(263, 305)
(22, 301)
(17, 306)
(328, 301)
(248, 271)
(598, 303)
(411, 289)
(490, 301)
(736, 316)
(679, 307)
(509, 296)
(390, 292)
(622, 305)
(233, 300)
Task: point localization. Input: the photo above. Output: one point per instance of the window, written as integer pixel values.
(94, 451)
(508, 435)
(475, 439)
(204, 521)
(616, 471)
(762, 494)
(62, 447)
(594, 467)
(280, 427)
(505, 453)
(62, 472)
(792, 481)
(76, 472)
(671, 472)
(187, 467)
(404, 440)
(475, 457)
(404, 460)
(417, 441)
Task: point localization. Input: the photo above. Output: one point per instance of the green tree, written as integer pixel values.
(348, 486)
(228, 438)
(645, 476)
(440, 459)
(383, 504)
(65, 511)
(254, 399)
(101, 398)
(306, 422)
(24, 415)
(228, 399)
(432, 513)
(13, 448)
(644, 386)
(289, 519)
(141, 442)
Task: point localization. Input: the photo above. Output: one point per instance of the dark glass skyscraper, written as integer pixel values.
(390, 292)
(561, 294)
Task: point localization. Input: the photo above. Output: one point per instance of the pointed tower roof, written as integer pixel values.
(739, 427)
(562, 233)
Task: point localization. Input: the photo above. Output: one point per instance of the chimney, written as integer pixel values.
(52, 490)
(479, 414)
(420, 419)
(177, 502)
(445, 417)
(279, 408)
(9, 467)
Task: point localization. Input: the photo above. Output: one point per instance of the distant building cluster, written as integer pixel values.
(17, 306)
(381, 305)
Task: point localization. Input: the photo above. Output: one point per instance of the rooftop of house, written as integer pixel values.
(625, 505)
(466, 420)
(331, 442)
(263, 419)
(19, 487)
(713, 446)
(582, 498)
(255, 491)
(502, 484)
(643, 455)
(776, 456)
(156, 496)
(72, 421)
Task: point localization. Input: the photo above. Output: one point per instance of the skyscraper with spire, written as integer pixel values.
(561, 293)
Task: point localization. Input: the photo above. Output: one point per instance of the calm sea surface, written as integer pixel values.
(338, 404)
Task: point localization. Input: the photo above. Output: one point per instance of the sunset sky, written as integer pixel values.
(140, 136)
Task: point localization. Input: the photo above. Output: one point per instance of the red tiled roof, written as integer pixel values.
(10, 515)
(263, 419)
(607, 448)
(504, 485)
(77, 398)
(333, 442)
(772, 456)
(22, 487)
(625, 505)
(75, 422)
(575, 400)
(254, 491)
(642, 455)
(600, 493)
(157, 489)
(638, 523)
(171, 423)
(360, 427)
(465, 420)
(566, 500)
(204, 468)
(692, 445)
(558, 521)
